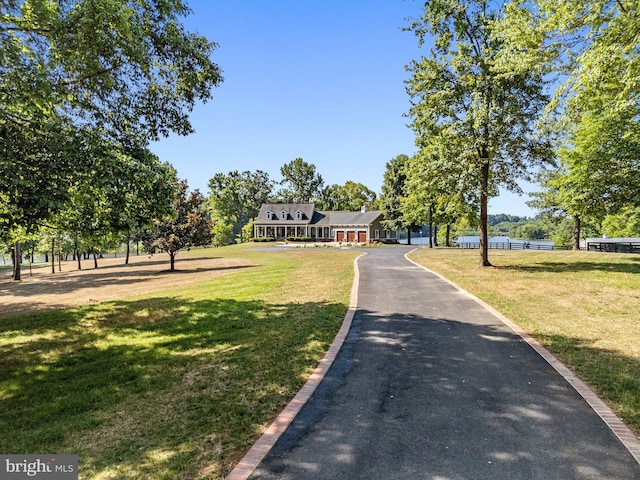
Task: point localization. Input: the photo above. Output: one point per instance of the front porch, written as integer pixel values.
(281, 232)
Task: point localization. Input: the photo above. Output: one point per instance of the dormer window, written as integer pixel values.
(298, 215)
(269, 215)
(283, 215)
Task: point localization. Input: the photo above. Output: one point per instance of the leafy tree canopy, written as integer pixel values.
(126, 66)
(301, 183)
(190, 226)
(351, 196)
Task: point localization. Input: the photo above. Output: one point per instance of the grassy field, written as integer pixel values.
(172, 384)
(582, 306)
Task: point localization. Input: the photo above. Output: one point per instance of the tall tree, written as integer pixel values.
(301, 182)
(393, 191)
(190, 226)
(435, 190)
(351, 196)
(141, 190)
(460, 92)
(237, 197)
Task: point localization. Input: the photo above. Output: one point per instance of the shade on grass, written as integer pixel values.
(171, 384)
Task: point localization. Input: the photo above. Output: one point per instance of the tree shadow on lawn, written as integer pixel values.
(626, 265)
(616, 375)
(63, 282)
(68, 289)
(155, 386)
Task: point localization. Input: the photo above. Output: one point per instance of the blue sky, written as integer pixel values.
(323, 81)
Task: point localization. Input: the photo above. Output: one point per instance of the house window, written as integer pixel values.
(298, 215)
(269, 215)
(377, 235)
(283, 215)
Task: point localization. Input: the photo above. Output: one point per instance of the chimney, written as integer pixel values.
(363, 209)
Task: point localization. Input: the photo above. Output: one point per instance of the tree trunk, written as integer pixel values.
(172, 256)
(576, 232)
(435, 236)
(448, 236)
(126, 261)
(409, 236)
(95, 259)
(484, 204)
(16, 262)
(53, 256)
(430, 231)
(77, 250)
(59, 260)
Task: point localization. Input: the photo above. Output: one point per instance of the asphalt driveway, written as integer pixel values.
(431, 385)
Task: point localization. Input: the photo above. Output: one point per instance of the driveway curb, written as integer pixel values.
(257, 452)
(617, 426)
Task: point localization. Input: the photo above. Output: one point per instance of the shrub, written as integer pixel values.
(298, 239)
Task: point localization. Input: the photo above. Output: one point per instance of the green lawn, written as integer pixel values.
(175, 384)
(582, 306)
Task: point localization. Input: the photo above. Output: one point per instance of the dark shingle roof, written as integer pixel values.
(315, 217)
(290, 209)
(342, 218)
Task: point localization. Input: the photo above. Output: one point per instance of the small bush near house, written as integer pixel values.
(298, 239)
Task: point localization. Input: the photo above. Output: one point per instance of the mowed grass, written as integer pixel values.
(582, 306)
(174, 384)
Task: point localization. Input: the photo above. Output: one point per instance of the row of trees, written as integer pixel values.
(85, 86)
(512, 88)
(154, 208)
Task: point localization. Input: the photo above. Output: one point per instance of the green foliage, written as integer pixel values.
(393, 190)
(237, 197)
(592, 46)
(301, 183)
(127, 67)
(263, 239)
(247, 232)
(222, 233)
(299, 239)
(351, 196)
(623, 224)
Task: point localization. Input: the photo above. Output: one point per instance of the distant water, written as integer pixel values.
(500, 242)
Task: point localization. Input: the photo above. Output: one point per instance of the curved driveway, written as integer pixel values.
(431, 385)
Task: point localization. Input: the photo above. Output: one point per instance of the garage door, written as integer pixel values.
(362, 237)
(351, 236)
(340, 236)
